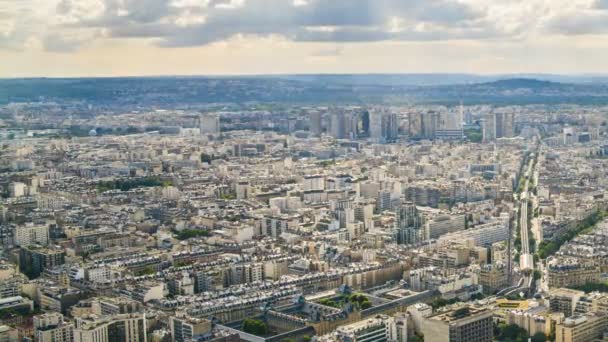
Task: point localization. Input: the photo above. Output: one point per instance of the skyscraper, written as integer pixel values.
(429, 124)
(384, 126)
(365, 122)
(408, 224)
(488, 127)
(316, 123)
(337, 127)
(449, 125)
(344, 125)
(498, 125)
(209, 123)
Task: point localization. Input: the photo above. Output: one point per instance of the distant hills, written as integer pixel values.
(139, 93)
(438, 79)
(518, 83)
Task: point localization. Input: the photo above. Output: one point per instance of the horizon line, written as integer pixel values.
(253, 75)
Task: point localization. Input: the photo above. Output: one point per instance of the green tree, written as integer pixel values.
(255, 327)
(329, 302)
(418, 338)
(511, 332)
(186, 234)
(539, 337)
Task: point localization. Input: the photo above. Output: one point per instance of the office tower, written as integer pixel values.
(344, 125)
(352, 125)
(449, 125)
(504, 125)
(429, 124)
(316, 127)
(390, 127)
(466, 115)
(35, 259)
(375, 125)
(384, 126)
(408, 224)
(117, 328)
(384, 200)
(498, 125)
(338, 126)
(365, 123)
(414, 125)
(209, 123)
(488, 127)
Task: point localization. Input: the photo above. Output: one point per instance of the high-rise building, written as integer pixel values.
(365, 123)
(316, 127)
(449, 125)
(344, 125)
(209, 123)
(504, 125)
(488, 127)
(338, 126)
(497, 125)
(35, 259)
(446, 125)
(383, 126)
(408, 224)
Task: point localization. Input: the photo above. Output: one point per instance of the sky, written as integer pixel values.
(72, 38)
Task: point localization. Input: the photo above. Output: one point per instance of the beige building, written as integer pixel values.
(464, 324)
(8, 334)
(581, 328)
(50, 327)
(572, 273)
(118, 328)
(493, 278)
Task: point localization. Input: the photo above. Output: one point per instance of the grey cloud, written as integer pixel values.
(579, 24)
(351, 20)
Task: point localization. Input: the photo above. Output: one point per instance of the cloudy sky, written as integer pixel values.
(170, 37)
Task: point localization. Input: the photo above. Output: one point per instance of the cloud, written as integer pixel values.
(592, 19)
(64, 25)
(348, 21)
